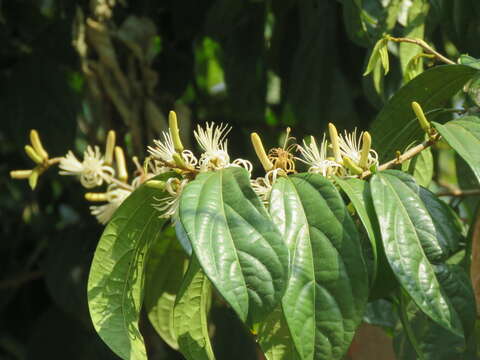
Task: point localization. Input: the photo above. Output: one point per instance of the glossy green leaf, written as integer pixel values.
(115, 284)
(396, 126)
(190, 314)
(358, 191)
(235, 241)
(409, 239)
(421, 167)
(448, 230)
(274, 337)
(165, 269)
(463, 135)
(328, 286)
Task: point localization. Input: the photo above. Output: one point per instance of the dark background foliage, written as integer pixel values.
(258, 65)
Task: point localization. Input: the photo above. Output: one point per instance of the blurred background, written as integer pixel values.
(74, 69)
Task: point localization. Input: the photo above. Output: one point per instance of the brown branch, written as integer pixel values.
(423, 45)
(405, 156)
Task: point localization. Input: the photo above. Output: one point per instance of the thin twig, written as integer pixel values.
(423, 45)
(405, 156)
(459, 193)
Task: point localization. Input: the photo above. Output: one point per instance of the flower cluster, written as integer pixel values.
(345, 155)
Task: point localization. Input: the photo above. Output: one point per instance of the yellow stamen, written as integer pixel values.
(424, 124)
(96, 197)
(366, 146)
(37, 144)
(332, 130)
(260, 151)
(121, 165)
(32, 154)
(20, 174)
(109, 147)
(175, 132)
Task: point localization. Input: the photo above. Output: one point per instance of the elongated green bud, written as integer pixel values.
(173, 125)
(366, 146)
(260, 151)
(121, 165)
(33, 178)
(332, 131)
(156, 184)
(20, 174)
(179, 161)
(110, 147)
(37, 144)
(349, 164)
(424, 124)
(96, 197)
(32, 154)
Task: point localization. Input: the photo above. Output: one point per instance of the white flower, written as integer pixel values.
(316, 158)
(115, 197)
(164, 150)
(351, 146)
(212, 141)
(263, 185)
(168, 204)
(92, 170)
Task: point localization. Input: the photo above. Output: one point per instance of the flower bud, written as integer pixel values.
(332, 130)
(96, 197)
(424, 124)
(20, 174)
(121, 165)
(110, 147)
(175, 132)
(366, 146)
(37, 144)
(260, 151)
(32, 154)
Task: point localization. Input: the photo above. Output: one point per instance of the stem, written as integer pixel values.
(20, 279)
(459, 193)
(423, 45)
(405, 156)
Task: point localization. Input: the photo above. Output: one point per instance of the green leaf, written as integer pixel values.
(235, 241)
(470, 61)
(275, 338)
(115, 284)
(358, 191)
(409, 239)
(448, 230)
(190, 314)
(327, 291)
(433, 341)
(379, 54)
(396, 126)
(415, 28)
(421, 167)
(463, 135)
(165, 269)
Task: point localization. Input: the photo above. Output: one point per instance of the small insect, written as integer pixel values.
(282, 158)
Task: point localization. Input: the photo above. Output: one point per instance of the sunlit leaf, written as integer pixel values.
(236, 243)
